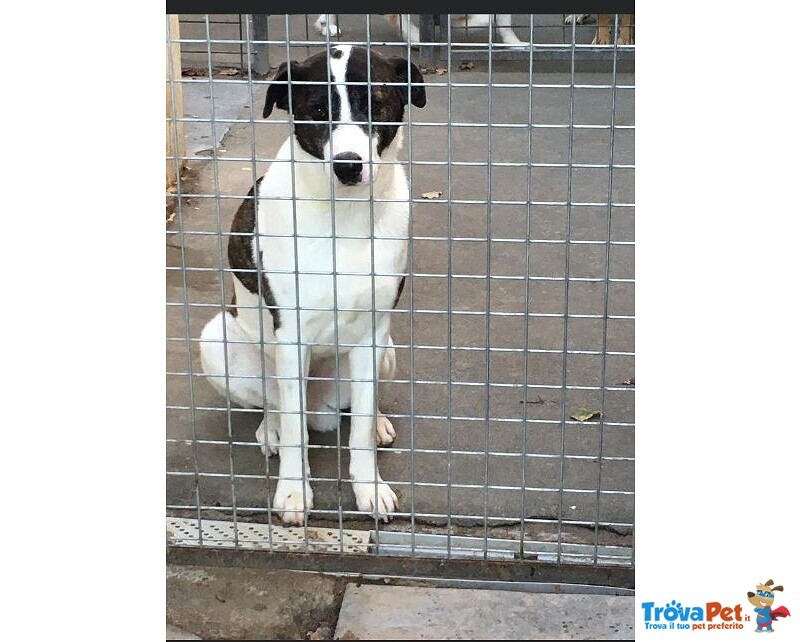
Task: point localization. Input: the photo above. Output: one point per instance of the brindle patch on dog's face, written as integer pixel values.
(333, 118)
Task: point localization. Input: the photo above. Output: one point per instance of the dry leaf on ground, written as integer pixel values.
(584, 414)
(322, 632)
(430, 195)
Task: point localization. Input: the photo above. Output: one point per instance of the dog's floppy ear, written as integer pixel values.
(401, 68)
(278, 91)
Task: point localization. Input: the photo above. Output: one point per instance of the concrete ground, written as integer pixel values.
(563, 464)
(239, 603)
(423, 613)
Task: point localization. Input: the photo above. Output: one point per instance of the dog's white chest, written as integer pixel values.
(342, 284)
(353, 289)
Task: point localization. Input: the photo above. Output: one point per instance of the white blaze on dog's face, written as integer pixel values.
(350, 146)
(334, 125)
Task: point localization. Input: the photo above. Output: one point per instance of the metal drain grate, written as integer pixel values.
(221, 534)
(428, 545)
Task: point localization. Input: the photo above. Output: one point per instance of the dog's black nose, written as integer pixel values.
(347, 167)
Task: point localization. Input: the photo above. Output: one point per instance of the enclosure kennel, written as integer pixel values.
(514, 335)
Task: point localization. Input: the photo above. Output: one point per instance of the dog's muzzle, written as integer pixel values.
(348, 167)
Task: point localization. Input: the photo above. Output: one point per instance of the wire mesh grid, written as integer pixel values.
(512, 396)
(228, 29)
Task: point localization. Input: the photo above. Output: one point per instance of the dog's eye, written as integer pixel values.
(319, 112)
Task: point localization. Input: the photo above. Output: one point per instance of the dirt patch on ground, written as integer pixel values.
(251, 604)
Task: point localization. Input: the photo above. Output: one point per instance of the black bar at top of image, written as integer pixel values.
(413, 6)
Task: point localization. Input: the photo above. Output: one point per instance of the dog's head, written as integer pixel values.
(764, 595)
(332, 116)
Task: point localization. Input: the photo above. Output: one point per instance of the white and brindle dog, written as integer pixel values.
(331, 149)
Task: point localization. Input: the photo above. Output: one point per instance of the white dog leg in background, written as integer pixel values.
(402, 22)
(408, 29)
(326, 25)
(503, 25)
(293, 496)
(373, 495)
(505, 31)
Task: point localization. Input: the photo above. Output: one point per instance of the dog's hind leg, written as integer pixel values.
(323, 399)
(502, 24)
(240, 375)
(504, 30)
(389, 361)
(383, 426)
(402, 22)
(327, 394)
(237, 374)
(626, 29)
(267, 434)
(605, 22)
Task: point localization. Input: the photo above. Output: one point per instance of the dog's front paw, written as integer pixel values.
(366, 495)
(289, 500)
(385, 430)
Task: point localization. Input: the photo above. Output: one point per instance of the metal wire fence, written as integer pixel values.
(512, 396)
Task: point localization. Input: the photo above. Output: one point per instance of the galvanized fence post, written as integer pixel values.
(260, 32)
